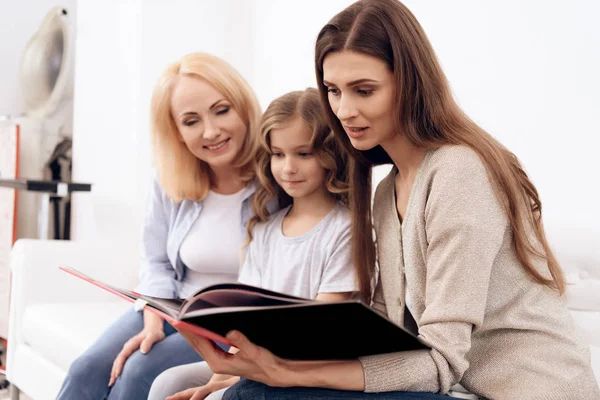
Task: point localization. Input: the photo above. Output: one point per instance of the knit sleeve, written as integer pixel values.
(465, 226)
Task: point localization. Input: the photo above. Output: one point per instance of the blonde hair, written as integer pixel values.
(180, 173)
(306, 105)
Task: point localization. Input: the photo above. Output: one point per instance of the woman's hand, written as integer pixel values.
(217, 382)
(251, 361)
(259, 364)
(153, 332)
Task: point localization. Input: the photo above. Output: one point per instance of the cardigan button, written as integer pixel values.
(400, 302)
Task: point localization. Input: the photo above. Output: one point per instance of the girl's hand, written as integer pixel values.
(217, 382)
(251, 361)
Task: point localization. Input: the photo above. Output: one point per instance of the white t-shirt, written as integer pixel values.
(318, 261)
(211, 249)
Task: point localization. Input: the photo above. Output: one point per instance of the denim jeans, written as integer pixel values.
(89, 374)
(249, 390)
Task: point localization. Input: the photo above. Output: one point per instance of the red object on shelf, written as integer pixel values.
(18, 139)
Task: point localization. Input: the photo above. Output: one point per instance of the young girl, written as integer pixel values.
(305, 248)
(460, 240)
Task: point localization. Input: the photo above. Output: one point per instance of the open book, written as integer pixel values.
(290, 327)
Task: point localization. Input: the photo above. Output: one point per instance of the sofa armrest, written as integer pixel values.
(37, 279)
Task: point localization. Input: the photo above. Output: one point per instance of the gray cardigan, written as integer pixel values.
(490, 327)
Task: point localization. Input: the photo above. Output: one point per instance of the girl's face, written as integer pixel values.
(361, 94)
(293, 165)
(209, 126)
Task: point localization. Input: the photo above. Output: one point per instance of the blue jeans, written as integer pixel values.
(89, 374)
(249, 390)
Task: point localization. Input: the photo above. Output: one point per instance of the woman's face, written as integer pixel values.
(361, 94)
(209, 126)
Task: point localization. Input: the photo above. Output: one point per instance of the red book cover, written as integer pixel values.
(133, 297)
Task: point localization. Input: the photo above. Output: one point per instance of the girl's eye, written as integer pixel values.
(333, 91)
(305, 154)
(190, 122)
(223, 111)
(277, 155)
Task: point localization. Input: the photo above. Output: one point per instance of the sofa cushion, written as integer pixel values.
(589, 325)
(60, 332)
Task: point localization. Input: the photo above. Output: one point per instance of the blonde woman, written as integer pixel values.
(204, 120)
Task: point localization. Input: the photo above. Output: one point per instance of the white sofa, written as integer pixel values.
(54, 317)
(576, 244)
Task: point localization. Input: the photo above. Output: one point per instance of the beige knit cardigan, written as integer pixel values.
(490, 326)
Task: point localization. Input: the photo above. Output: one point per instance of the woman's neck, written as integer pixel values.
(406, 156)
(226, 180)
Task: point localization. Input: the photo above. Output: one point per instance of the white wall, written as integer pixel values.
(526, 71)
(284, 40)
(107, 118)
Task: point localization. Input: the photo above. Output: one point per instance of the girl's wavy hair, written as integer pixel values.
(304, 104)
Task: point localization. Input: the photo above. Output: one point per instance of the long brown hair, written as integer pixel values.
(428, 116)
(306, 105)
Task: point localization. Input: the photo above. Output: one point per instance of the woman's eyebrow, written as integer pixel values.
(352, 83)
(216, 103)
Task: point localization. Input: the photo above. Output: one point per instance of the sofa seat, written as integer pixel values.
(60, 332)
